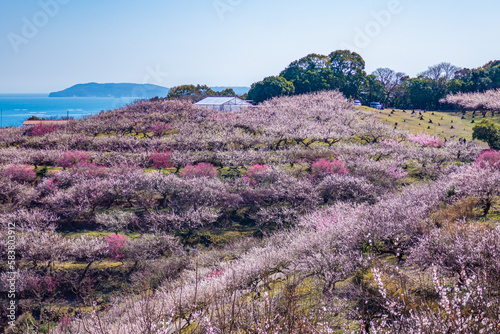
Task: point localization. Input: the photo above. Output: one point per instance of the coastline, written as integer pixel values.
(18, 107)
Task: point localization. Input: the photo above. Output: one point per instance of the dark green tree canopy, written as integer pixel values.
(344, 70)
(487, 131)
(196, 93)
(308, 74)
(270, 87)
(227, 92)
(190, 92)
(347, 63)
(372, 90)
(348, 70)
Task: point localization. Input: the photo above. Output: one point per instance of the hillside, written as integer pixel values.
(112, 90)
(301, 215)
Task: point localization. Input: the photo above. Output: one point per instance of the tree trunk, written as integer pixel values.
(487, 206)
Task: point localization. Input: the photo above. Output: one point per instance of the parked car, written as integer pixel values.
(357, 103)
(376, 105)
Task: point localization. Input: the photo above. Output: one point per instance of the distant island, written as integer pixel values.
(94, 89)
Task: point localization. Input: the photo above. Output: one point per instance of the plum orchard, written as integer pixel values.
(327, 191)
(484, 130)
(482, 102)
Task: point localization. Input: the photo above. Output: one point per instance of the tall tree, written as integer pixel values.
(348, 71)
(442, 71)
(390, 79)
(372, 90)
(419, 90)
(438, 78)
(308, 74)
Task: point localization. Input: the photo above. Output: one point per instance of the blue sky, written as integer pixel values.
(230, 42)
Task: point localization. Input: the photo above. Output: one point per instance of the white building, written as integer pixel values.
(224, 103)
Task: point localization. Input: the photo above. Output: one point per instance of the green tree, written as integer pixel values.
(348, 72)
(270, 87)
(372, 90)
(419, 92)
(487, 131)
(227, 92)
(34, 118)
(308, 74)
(390, 80)
(191, 92)
(480, 79)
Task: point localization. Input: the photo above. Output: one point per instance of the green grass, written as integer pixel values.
(442, 122)
(165, 171)
(77, 234)
(105, 264)
(218, 236)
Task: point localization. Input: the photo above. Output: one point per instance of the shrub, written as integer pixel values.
(160, 160)
(203, 169)
(487, 131)
(22, 173)
(323, 167)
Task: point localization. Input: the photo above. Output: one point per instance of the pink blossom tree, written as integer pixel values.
(22, 173)
(461, 248)
(70, 158)
(426, 140)
(116, 244)
(323, 167)
(489, 158)
(337, 187)
(159, 160)
(41, 129)
(482, 101)
(159, 128)
(90, 169)
(255, 173)
(482, 183)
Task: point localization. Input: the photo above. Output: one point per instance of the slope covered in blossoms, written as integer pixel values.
(301, 215)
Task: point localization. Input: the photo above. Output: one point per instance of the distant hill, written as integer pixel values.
(238, 90)
(94, 89)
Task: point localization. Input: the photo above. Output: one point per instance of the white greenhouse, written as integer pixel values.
(224, 103)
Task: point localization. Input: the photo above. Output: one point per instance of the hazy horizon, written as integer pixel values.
(47, 93)
(50, 45)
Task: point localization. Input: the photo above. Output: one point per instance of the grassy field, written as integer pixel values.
(444, 124)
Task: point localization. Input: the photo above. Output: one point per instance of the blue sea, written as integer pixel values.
(16, 108)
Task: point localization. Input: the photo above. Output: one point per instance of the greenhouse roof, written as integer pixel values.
(221, 100)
